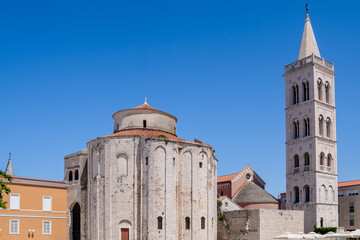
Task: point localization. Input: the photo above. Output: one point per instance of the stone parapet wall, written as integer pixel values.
(259, 224)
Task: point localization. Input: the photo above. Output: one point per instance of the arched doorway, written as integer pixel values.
(75, 214)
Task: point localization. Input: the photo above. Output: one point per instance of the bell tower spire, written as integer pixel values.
(311, 147)
(308, 41)
(9, 168)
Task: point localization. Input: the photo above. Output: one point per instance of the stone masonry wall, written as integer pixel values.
(259, 224)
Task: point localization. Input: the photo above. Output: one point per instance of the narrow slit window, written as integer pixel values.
(202, 223)
(144, 123)
(200, 164)
(76, 174)
(160, 222)
(187, 223)
(146, 161)
(70, 176)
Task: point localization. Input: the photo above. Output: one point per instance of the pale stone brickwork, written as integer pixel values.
(142, 173)
(311, 156)
(259, 224)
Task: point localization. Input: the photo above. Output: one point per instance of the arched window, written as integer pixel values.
(295, 93)
(296, 161)
(296, 129)
(200, 164)
(222, 193)
(307, 193)
(70, 176)
(76, 174)
(321, 222)
(122, 165)
(306, 127)
(160, 222)
(144, 123)
(328, 125)
(202, 223)
(321, 125)
(306, 90)
(319, 82)
(329, 160)
(327, 92)
(322, 158)
(306, 159)
(296, 194)
(187, 223)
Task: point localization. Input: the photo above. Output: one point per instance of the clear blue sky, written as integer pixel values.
(66, 67)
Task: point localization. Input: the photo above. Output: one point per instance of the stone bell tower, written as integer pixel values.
(311, 156)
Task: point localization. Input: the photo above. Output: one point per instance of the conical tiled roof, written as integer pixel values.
(9, 168)
(308, 41)
(252, 193)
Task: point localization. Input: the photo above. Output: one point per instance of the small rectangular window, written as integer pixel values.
(351, 207)
(14, 201)
(14, 226)
(352, 220)
(46, 227)
(46, 203)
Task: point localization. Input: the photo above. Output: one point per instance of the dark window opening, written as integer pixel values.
(173, 161)
(296, 161)
(321, 222)
(70, 176)
(306, 159)
(187, 223)
(202, 223)
(146, 161)
(351, 207)
(296, 197)
(144, 123)
(352, 221)
(76, 174)
(160, 222)
(329, 160)
(222, 193)
(200, 164)
(75, 213)
(322, 159)
(307, 193)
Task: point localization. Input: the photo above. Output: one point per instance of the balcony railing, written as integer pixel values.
(307, 60)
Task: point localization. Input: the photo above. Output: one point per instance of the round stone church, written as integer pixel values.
(142, 182)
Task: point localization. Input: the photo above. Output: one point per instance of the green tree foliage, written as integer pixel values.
(4, 188)
(324, 230)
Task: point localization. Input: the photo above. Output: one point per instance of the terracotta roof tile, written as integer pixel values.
(148, 107)
(145, 106)
(349, 183)
(150, 133)
(226, 178)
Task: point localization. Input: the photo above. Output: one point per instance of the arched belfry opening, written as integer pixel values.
(75, 222)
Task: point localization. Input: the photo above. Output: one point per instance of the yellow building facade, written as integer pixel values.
(36, 209)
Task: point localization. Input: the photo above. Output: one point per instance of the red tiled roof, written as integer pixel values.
(148, 107)
(349, 183)
(145, 106)
(148, 132)
(227, 178)
(221, 198)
